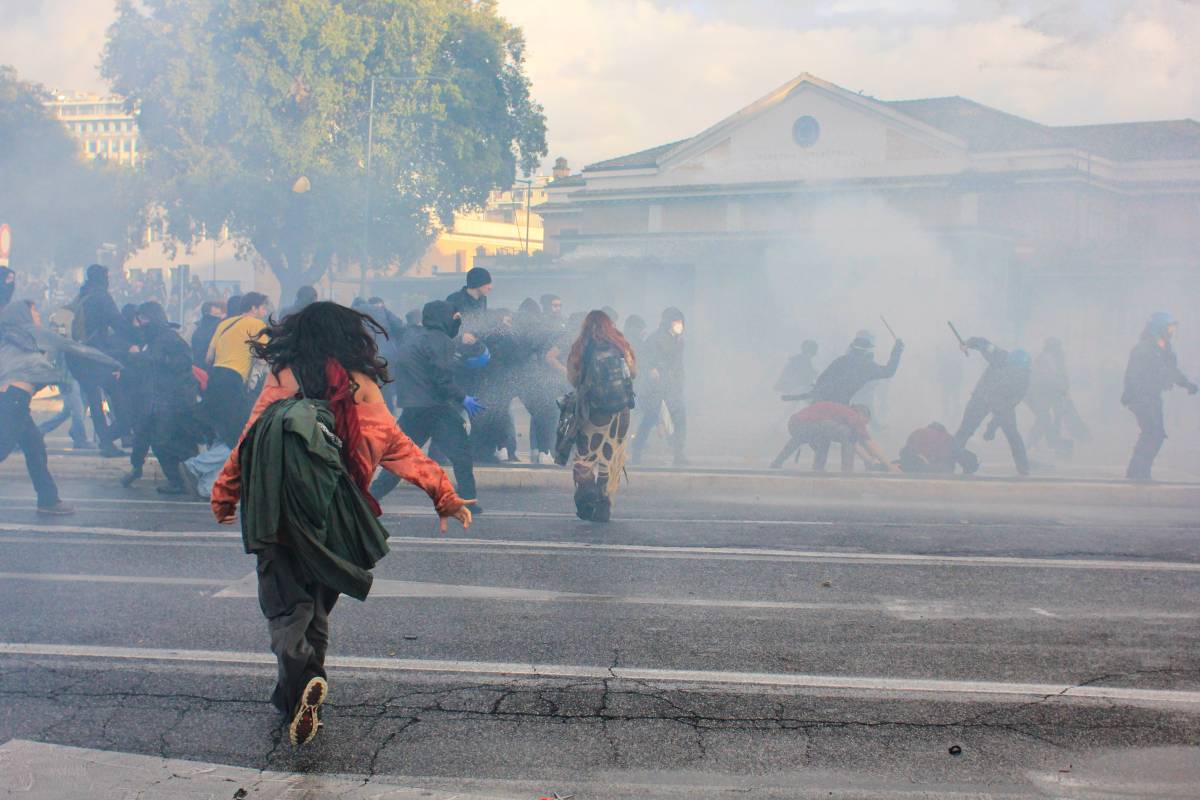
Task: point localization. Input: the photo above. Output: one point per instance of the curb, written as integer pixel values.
(798, 486)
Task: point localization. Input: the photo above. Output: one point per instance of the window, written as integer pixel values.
(91, 147)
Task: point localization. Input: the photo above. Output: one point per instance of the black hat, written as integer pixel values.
(478, 277)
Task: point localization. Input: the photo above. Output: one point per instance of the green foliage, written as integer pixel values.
(239, 98)
(60, 207)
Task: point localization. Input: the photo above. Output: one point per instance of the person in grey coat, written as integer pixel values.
(28, 355)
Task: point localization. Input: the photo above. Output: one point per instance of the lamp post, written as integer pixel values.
(528, 202)
(366, 254)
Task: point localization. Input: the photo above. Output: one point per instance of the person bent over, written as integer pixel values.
(825, 423)
(932, 450)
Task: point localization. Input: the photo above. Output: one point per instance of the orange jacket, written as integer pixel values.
(385, 445)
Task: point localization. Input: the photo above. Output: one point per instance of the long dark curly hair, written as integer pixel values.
(305, 340)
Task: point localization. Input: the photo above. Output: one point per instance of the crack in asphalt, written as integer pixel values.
(606, 702)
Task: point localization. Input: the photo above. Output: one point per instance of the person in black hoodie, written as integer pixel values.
(1152, 369)
(662, 365)
(97, 323)
(1000, 389)
(848, 374)
(167, 423)
(426, 390)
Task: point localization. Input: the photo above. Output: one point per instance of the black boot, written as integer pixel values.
(129, 478)
(602, 511)
(585, 500)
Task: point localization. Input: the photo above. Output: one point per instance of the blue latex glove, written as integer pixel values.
(479, 361)
(473, 406)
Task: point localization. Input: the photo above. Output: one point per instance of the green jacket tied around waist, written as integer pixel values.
(296, 492)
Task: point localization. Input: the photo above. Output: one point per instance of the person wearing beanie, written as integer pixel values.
(471, 300)
(848, 374)
(1152, 369)
(662, 362)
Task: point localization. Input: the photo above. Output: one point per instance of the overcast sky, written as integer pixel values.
(621, 75)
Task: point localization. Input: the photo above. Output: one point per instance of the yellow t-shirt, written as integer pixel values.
(229, 347)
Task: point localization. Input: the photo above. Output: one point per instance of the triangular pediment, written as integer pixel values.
(810, 129)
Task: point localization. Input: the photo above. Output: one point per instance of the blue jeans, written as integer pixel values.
(72, 407)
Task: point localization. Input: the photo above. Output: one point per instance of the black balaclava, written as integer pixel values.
(439, 315)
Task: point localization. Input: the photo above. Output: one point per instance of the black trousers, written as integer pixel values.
(297, 611)
(1006, 419)
(226, 405)
(17, 429)
(652, 409)
(1153, 433)
(444, 425)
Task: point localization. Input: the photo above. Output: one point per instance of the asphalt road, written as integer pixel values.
(696, 647)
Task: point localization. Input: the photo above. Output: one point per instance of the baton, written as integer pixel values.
(962, 345)
(889, 327)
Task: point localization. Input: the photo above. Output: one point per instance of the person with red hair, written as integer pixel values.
(301, 474)
(601, 367)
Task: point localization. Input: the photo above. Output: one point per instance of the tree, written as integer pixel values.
(60, 207)
(238, 99)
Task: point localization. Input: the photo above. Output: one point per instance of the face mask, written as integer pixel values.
(677, 328)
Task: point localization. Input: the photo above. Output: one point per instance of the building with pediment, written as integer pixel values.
(1027, 214)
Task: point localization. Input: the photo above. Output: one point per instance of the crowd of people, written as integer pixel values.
(837, 414)
(298, 411)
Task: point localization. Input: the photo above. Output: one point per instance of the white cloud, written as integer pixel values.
(622, 75)
(56, 42)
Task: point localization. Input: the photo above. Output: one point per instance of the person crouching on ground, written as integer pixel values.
(301, 471)
(825, 423)
(601, 367)
(933, 450)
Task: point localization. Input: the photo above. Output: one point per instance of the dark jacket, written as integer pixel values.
(293, 480)
(166, 368)
(663, 351)
(99, 318)
(425, 361)
(201, 337)
(466, 305)
(1003, 384)
(1152, 370)
(848, 374)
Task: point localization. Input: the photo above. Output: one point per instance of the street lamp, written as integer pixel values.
(366, 255)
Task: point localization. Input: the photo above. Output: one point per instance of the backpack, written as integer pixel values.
(608, 385)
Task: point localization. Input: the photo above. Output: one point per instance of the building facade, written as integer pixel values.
(804, 181)
(101, 125)
(505, 226)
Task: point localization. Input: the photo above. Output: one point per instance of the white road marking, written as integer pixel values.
(60, 577)
(909, 609)
(971, 690)
(534, 547)
(1044, 613)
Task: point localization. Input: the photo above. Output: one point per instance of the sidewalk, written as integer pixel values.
(872, 487)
